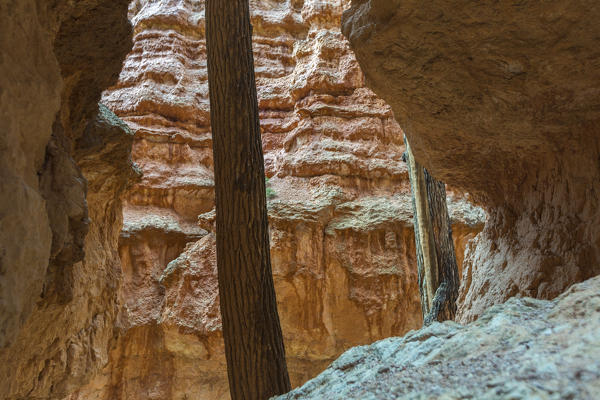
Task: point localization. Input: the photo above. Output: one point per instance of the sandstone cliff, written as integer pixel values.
(501, 101)
(64, 163)
(339, 205)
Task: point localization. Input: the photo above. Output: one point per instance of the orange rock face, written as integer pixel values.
(339, 205)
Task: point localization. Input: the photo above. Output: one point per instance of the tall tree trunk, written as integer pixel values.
(436, 259)
(253, 340)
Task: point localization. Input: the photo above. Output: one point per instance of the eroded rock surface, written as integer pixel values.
(66, 338)
(339, 206)
(64, 164)
(522, 349)
(501, 101)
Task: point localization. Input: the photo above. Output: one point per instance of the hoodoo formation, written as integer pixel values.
(108, 273)
(339, 201)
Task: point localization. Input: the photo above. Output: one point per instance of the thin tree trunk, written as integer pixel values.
(436, 259)
(253, 340)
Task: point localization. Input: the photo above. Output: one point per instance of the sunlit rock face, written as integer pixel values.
(64, 163)
(501, 101)
(340, 214)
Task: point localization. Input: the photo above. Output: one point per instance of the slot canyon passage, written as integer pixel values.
(108, 285)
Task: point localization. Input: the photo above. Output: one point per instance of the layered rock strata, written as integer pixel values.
(500, 101)
(339, 205)
(64, 164)
(523, 349)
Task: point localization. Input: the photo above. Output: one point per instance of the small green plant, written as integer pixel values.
(269, 190)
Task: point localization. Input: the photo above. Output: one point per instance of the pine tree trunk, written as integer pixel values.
(436, 258)
(253, 340)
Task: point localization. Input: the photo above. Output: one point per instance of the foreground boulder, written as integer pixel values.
(523, 349)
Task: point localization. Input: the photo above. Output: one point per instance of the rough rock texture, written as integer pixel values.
(523, 349)
(63, 166)
(340, 212)
(501, 101)
(67, 337)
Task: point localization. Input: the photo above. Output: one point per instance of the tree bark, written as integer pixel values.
(436, 258)
(253, 340)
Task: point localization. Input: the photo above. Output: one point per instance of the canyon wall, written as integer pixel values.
(338, 196)
(64, 163)
(501, 101)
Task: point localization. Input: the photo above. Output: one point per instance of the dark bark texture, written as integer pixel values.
(436, 258)
(251, 329)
